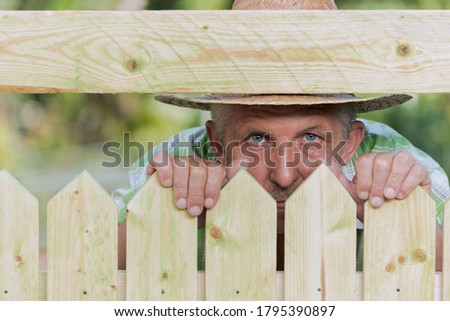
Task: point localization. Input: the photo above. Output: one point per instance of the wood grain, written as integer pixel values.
(161, 246)
(241, 242)
(399, 249)
(225, 51)
(320, 240)
(82, 242)
(446, 253)
(200, 277)
(19, 241)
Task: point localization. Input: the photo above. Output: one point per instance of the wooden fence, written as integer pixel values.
(240, 250)
(221, 52)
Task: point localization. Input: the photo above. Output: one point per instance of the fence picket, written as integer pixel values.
(399, 249)
(19, 241)
(320, 240)
(161, 247)
(446, 254)
(82, 242)
(241, 243)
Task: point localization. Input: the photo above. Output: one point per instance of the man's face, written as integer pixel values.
(281, 146)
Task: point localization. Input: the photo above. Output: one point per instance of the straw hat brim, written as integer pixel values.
(360, 105)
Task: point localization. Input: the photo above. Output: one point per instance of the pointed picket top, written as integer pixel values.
(161, 246)
(399, 249)
(241, 242)
(320, 240)
(82, 242)
(446, 253)
(19, 241)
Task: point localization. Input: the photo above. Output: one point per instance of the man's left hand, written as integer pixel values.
(385, 176)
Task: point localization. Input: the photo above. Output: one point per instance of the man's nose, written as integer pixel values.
(285, 173)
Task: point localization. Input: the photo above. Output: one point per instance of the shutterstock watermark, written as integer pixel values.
(269, 153)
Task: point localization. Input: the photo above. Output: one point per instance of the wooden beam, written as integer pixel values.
(122, 275)
(225, 51)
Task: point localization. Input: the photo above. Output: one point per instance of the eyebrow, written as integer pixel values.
(250, 130)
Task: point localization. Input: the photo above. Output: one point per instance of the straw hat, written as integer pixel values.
(361, 105)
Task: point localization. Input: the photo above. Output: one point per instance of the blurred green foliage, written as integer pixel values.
(42, 124)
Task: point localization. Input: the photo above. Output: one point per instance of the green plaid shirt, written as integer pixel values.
(378, 138)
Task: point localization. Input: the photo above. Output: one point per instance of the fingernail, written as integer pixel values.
(209, 202)
(376, 201)
(364, 195)
(401, 196)
(195, 210)
(389, 193)
(181, 203)
(168, 182)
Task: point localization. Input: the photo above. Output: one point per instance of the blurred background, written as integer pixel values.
(47, 140)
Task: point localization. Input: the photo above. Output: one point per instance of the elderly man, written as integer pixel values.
(281, 139)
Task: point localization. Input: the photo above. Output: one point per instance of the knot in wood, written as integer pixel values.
(419, 255)
(403, 50)
(216, 232)
(132, 65)
(390, 267)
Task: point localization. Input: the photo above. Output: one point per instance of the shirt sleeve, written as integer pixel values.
(188, 142)
(381, 138)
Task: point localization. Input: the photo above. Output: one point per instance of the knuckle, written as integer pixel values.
(160, 160)
(198, 173)
(395, 179)
(404, 157)
(418, 172)
(364, 160)
(382, 163)
(179, 191)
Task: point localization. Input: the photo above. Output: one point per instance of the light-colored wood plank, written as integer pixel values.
(82, 242)
(201, 286)
(446, 253)
(225, 51)
(19, 241)
(320, 240)
(161, 246)
(399, 249)
(241, 242)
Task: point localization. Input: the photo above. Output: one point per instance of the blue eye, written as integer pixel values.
(311, 137)
(258, 139)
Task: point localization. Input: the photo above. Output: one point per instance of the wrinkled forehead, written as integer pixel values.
(259, 111)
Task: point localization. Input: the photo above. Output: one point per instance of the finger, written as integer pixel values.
(382, 165)
(196, 189)
(364, 169)
(150, 170)
(162, 163)
(417, 176)
(215, 180)
(401, 166)
(180, 183)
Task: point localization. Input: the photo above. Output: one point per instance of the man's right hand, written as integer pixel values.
(191, 194)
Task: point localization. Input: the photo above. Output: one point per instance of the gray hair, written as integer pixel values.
(221, 116)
